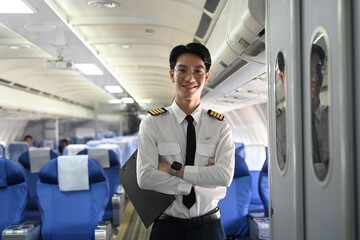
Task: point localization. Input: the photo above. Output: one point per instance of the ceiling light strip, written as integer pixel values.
(64, 18)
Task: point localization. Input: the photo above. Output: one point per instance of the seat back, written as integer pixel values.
(263, 187)
(32, 161)
(13, 193)
(255, 156)
(234, 207)
(72, 195)
(108, 159)
(15, 149)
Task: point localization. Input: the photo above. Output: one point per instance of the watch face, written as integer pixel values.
(176, 166)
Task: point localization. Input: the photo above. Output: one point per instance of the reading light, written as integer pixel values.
(89, 69)
(113, 89)
(16, 6)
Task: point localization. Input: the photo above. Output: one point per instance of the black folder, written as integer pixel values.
(148, 204)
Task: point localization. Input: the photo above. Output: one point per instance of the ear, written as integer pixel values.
(171, 73)
(207, 77)
(282, 77)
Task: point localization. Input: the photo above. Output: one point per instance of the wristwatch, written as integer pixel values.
(175, 166)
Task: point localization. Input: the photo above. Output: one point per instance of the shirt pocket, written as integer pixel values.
(169, 152)
(205, 154)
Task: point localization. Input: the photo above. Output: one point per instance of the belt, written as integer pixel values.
(210, 217)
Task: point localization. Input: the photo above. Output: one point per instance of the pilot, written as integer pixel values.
(187, 151)
(281, 117)
(320, 114)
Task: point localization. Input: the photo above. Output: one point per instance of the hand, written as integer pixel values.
(165, 167)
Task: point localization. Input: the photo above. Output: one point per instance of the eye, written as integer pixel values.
(182, 70)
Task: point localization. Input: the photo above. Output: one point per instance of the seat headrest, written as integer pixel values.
(11, 173)
(49, 172)
(97, 153)
(255, 156)
(73, 149)
(73, 173)
(241, 168)
(35, 158)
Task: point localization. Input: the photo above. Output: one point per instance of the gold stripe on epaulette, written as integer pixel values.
(216, 115)
(157, 111)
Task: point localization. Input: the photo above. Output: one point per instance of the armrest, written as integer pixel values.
(103, 231)
(118, 207)
(28, 230)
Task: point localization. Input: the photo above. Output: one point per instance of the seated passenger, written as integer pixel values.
(29, 140)
(63, 144)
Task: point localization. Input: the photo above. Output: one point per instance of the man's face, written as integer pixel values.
(189, 76)
(316, 75)
(29, 141)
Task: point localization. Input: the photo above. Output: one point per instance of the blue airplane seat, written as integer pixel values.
(2, 151)
(15, 149)
(234, 207)
(13, 193)
(263, 187)
(72, 195)
(255, 157)
(109, 160)
(32, 161)
(256, 205)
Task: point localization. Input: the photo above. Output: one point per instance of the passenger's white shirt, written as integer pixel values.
(163, 137)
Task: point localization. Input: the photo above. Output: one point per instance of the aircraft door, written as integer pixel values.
(327, 116)
(284, 76)
(356, 51)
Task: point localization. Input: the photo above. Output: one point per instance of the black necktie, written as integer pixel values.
(315, 141)
(190, 199)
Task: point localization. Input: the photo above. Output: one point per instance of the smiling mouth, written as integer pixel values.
(189, 87)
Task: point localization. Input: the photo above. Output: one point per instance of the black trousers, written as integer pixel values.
(163, 230)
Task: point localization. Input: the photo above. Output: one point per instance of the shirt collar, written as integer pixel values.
(180, 115)
(318, 111)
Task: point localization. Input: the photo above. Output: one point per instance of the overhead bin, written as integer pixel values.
(247, 21)
(238, 54)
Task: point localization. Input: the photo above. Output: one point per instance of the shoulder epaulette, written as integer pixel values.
(216, 115)
(278, 112)
(157, 111)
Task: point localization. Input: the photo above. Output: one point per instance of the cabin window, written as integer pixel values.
(320, 105)
(281, 136)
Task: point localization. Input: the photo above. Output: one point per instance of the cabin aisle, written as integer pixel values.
(131, 227)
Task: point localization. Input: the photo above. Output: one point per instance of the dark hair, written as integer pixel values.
(281, 62)
(316, 49)
(28, 136)
(193, 48)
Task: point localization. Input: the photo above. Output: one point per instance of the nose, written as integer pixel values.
(190, 76)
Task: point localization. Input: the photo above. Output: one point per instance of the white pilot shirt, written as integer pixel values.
(163, 137)
(322, 128)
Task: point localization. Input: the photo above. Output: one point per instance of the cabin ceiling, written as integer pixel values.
(129, 43)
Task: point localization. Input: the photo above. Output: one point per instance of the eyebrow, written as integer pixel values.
(183, 65)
